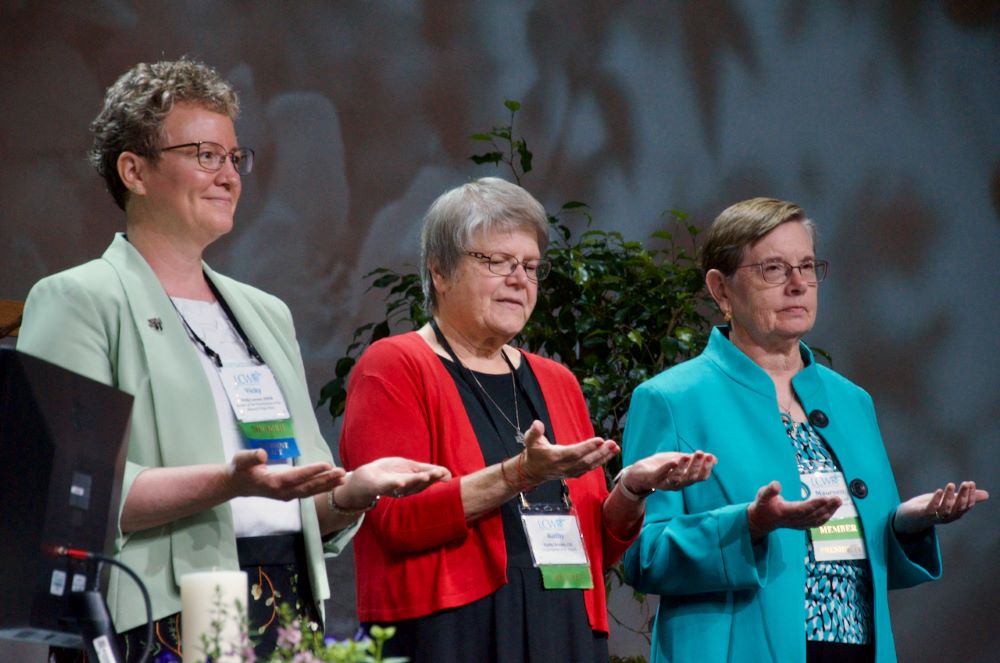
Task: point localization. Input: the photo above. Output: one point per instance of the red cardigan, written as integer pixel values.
(416, 555)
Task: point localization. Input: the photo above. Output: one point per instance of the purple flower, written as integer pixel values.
(289, 636)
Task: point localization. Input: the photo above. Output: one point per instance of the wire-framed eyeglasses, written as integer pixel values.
(503, 264)
(779, 271)
(212, 156)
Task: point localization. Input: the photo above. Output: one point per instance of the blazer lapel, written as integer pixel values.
(188, 431)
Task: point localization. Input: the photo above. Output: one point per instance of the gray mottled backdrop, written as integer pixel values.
(881, 118)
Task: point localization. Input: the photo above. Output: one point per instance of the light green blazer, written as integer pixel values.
(98, 319)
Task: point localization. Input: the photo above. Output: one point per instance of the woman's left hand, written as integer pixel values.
(944, 505)
(391, 476)
(668, 470)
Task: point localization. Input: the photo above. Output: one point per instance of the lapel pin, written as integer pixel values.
(156, 324)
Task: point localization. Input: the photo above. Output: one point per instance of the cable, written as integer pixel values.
(76, 553)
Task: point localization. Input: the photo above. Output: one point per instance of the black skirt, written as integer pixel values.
(519, 623)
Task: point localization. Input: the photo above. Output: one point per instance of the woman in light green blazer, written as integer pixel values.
(201, 491)
(787, 551)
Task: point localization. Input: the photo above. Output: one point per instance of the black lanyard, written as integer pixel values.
(476, 389)
(209, 352)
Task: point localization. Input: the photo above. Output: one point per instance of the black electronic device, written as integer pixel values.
(63, 439)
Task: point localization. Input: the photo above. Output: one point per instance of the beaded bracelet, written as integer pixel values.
(506, 479)
(334, 507)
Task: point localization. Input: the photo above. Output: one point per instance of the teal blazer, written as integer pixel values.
(723, 597)
(95, 319)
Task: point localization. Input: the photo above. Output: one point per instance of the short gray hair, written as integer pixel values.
(488, 205)
(137, 104)
(741, 225)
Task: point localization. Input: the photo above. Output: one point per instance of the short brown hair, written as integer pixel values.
(741, 225)
(136, 105)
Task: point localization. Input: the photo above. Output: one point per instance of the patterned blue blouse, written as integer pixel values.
(838, 594)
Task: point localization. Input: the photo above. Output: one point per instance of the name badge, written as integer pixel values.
(254, 393)
(260, 410)
(841, 537)
(557, 548)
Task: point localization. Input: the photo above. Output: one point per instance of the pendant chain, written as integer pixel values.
(519, 436)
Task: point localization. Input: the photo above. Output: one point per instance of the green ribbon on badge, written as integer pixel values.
(277, 437)
(836, 529)
(566, 576)
(267, 430)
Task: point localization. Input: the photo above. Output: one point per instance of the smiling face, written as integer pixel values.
(484, 308)
(179, 197)
(766, 315)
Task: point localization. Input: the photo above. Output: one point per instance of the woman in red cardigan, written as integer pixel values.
(505, 563)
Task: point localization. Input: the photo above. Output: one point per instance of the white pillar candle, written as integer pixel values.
(207, 597)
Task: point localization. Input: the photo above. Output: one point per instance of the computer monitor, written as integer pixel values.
(63, 439)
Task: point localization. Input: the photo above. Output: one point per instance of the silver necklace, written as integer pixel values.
(518, 435)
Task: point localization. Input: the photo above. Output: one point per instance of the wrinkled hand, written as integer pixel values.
(770, 511)
(668, 470)
(944, 505)
(250, 476)
(544, 461)
(391, 476)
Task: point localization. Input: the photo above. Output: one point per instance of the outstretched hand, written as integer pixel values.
(770, 511)
(544, 461)
(391, 476)
(944, 505)
(250, 476)
(668, 470)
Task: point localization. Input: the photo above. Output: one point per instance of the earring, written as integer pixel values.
(727, 316)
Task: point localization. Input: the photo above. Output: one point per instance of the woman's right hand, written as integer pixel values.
(544, 461)
(250, 476)
(770, 511)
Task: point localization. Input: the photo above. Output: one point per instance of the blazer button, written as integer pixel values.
(818, 418)
(859, 488)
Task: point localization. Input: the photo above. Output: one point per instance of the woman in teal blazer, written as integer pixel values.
(731, 558)
(200, 491)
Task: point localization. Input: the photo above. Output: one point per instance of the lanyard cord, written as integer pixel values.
(209, 352)
(517, 387)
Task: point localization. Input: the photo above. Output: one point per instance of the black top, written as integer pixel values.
(496, 440)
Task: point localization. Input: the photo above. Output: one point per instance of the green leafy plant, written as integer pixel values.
(299, 641)
(614, 311)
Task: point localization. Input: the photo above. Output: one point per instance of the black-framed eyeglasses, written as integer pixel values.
(212, 156)
(779, 271)
(503, 264)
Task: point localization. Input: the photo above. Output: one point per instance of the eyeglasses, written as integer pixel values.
(779, 271)
(212, 156)
(502, 264)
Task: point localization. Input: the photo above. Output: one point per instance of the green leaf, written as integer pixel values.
(488, 157)
(485, 137)
(385, 280)
(512, 106)
(344, 366)
(525, 154)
